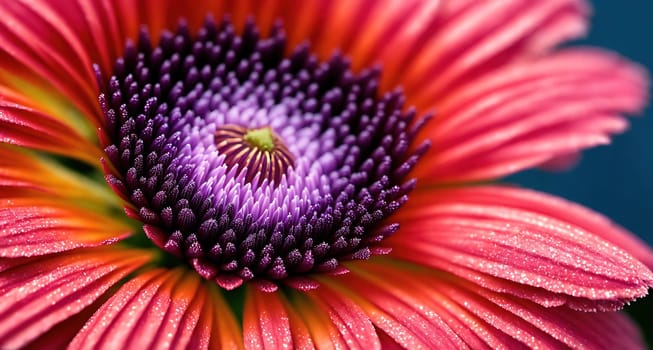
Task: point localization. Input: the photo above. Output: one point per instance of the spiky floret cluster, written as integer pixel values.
(340, 168)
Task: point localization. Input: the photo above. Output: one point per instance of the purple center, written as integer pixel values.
(250, 163)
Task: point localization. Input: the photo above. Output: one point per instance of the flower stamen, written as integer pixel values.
(257, 151)
(260, 138)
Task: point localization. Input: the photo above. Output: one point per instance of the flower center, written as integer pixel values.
(251, 163)
(257, 152)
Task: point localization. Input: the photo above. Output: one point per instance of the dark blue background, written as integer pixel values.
(616, 180)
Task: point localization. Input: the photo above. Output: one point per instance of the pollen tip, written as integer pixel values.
(260, 138)
(228, 282)
(302, 283)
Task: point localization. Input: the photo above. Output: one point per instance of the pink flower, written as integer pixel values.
(261, 174)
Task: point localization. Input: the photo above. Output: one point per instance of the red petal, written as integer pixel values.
(474, 38)
(159, 308)
(572, 213)
(351, 321)
(215, 328)
(301, 337)
(479, 317)
(30, 227)
(535, 325)
(30, 128)
(529, 113)
(315, 322)
(42, 47)
(397, 311)
(39, 293)
(51, 47)
(435, 293)
(607, 330)
(271, 322)
(470, 232)
(319, 318)
(184, 304)
(266, 324)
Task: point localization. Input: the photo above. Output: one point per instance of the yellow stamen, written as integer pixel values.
(262, 138)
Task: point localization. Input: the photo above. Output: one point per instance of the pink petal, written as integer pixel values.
(304, 320)
(562, 162)
(404, 308)
(184, 307)
(52, 46)
(266, 324)
(536, 325)
(396, 311)
(480, 317)
(29, 128)
(567, 211)
(316, 322)
(160, 309)
(39, 293)
(531, 112)
(607, 330)
(43, 48)
(479, 232)
(59, 336)
(302, 338)
(387, 343)
(351, 321)
(30, 227)
(217, 326)
(474, 38)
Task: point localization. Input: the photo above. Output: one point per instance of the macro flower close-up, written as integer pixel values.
(308, 174)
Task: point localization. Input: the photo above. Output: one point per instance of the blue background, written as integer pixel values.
(616, 180)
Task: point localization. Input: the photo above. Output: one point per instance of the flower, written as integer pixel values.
(266, 174)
